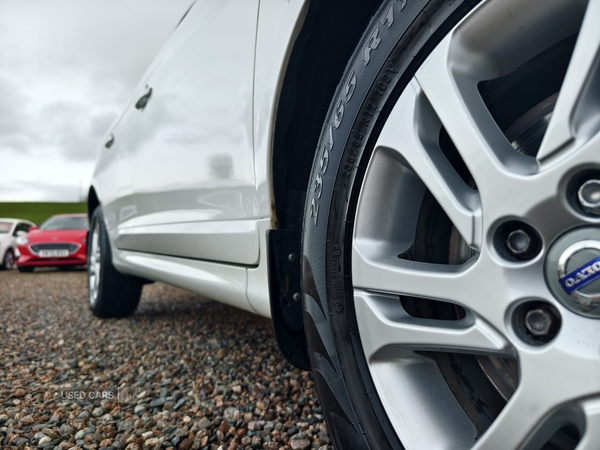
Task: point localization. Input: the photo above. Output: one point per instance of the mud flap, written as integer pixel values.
(283, 261)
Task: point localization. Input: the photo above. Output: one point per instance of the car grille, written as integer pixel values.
(35, 248)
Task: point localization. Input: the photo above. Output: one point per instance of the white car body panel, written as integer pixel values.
(278, 23)
(193, 155)
(222, 282)
(185, 187)
(214, 240)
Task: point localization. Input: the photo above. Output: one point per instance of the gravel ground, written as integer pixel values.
(182, 373)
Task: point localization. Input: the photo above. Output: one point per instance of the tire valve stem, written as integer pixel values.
(518, 242)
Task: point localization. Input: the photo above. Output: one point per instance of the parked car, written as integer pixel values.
(59, 241)
(10, 230)
(410, 190)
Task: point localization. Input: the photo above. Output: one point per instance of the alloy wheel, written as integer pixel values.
(466, 194)
(94, 265)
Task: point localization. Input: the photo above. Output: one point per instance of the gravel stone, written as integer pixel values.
(43, 441)
(204, 423)
(254, 426)
(158, 402)
(191, 374)
(300, 444)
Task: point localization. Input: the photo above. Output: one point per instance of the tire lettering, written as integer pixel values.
(402, 4)
(338, 115)
(314, 210)
(350, 86)
(318, 186)
(388, 21)
(329, 143)
(391, 69)
(324, 161)
(372, 44)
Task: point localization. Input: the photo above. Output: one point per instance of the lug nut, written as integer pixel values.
(518, 242)
(589, 196)
(540, 322)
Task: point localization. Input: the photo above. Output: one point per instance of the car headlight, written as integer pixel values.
(22, 240)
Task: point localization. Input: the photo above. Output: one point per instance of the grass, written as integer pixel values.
(37, 212)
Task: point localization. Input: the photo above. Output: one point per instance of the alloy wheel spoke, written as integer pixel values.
(391, 329)
(395, 276)
(458, 284)
(519, 422)
(551, 386)
(413, 147)
(566, 122)
(454, 97)
(591, 436)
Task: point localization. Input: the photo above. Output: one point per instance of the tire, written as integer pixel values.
(398, 210)
(25, 269)
(110, 293)
(8, 262)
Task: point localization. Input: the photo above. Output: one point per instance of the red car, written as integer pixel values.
(59, 241)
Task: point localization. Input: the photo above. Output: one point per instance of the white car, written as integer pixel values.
(409, 189)
(10, 230)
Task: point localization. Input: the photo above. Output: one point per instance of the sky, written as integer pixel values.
(68, 68)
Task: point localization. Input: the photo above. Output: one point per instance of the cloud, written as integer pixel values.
(20, 191)
(68, 70)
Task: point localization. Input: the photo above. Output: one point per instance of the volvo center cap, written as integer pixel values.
(572, 270)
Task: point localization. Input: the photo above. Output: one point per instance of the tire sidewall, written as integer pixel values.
(5, 263)
(381, 67)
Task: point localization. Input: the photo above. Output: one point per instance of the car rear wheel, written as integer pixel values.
(111, 293)
(451, 229)
(8, 261)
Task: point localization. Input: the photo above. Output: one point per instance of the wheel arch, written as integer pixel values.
(323, 47)
(92, 202)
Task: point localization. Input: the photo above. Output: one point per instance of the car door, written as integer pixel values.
(113, 175)
(192, 160)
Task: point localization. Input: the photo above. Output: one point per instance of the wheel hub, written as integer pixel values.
(572, 271)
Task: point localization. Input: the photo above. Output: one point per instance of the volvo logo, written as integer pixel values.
(579, 267)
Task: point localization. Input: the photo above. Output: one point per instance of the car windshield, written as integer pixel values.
(65, 223)
(5, 227)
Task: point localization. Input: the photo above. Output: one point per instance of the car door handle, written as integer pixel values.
(110, 142)
(144, 99)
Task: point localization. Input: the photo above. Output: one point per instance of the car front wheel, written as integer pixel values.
(111, 293)
(451, 240)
